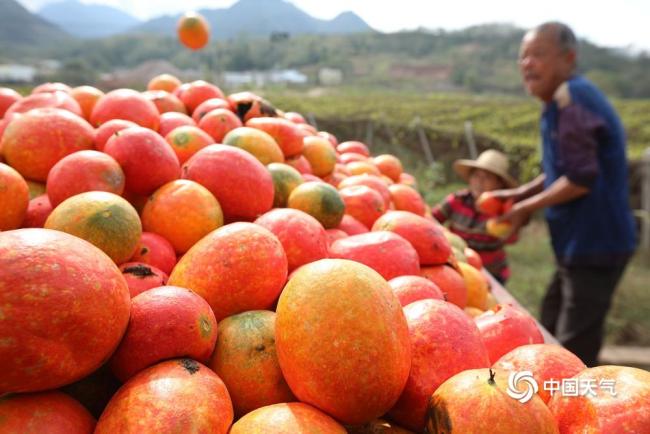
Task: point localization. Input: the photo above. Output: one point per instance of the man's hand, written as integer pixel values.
(505, 194)
(518, 217)
(523, 191)
(561, 191)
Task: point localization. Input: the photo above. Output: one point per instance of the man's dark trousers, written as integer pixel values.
(576, 304)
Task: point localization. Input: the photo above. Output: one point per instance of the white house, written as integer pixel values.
(14, 73)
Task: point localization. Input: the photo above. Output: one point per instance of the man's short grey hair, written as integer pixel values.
(565, 37)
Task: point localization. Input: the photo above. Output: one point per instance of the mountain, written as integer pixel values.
(87, 20)
(20, 28)
(261, 18)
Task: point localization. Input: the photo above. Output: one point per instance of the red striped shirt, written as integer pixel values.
(466, 221)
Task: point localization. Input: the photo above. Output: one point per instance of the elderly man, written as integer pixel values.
(583, 189)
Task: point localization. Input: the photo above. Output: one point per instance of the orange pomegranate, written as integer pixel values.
(51, 87)
(352, 226)
(179, 395)
(407, 198)
(108, 130)
(219, 122)
(84, 171)
(289, 418)
(241, 184)
(247, 105)
(126, 104)
(294, 117)
(164, 101)
(187, 140)
(155, 250)
(450, 282)
(141, 277)
(385, 252)
(426, 236)
(320, 155)
(301, 164)
(103, 219)
(363, 203)
(87, 97)
(46, 412)
(193, 30)
(476, 284)
(182, 212)
(444, 342)
(238, 267)
(166, 322)
(71, 324)
(389, 165)
(504, 328)
(284, 132)
(172, 120)
(197, 92)
(7, 98)
(285, 180)
(621, 406)
(334, 235)
(408, 179)
(207, 106)
(38, 211)
(303, 238)
(147, 160)
(363, 167)
(34, 142)
(350, 157)
(256, 142)
(165, 82)
(409, 289)
(545, 362)
(353, 146)
(371, 181)
(473, 258)
(57, 99)
(321, 346)
(14, 196)
(476, 401)
(246, 360)
(320, 200)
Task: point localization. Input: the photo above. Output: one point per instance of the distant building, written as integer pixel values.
(330, 76)
(262, 78)
(14, 73)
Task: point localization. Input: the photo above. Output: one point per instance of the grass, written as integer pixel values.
(531, 259)
(511, 120)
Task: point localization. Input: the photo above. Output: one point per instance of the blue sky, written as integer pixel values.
(621, 23)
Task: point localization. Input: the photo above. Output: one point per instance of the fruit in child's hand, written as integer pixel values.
(498, 229)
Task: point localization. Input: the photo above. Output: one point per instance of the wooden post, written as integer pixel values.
(369, 132)
(424, 142)
(471, 144)
(312, 120)
(391, 136)
(645, 206)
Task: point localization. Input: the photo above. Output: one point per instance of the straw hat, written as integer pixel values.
(492, 161)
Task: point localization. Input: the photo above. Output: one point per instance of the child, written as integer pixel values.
(488, 172)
